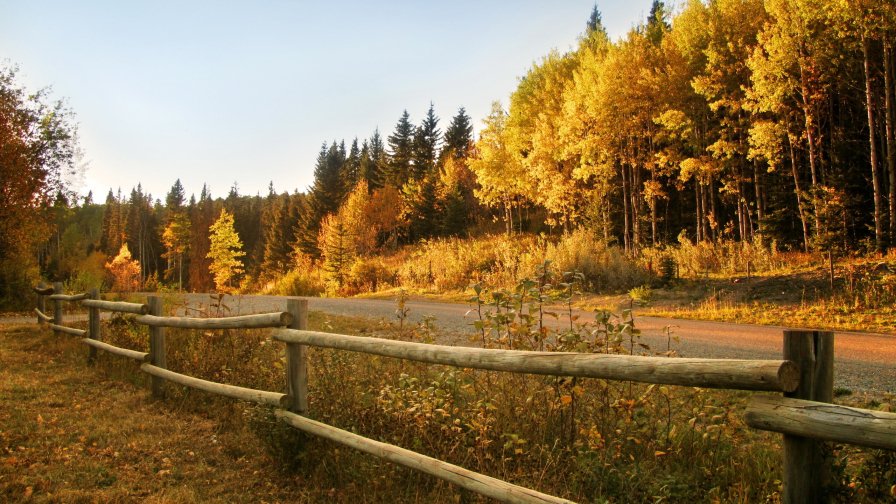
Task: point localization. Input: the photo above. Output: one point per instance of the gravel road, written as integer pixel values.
(862, 361)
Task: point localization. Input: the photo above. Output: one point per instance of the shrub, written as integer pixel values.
(298, 282)
(368, 275)
(605, 268)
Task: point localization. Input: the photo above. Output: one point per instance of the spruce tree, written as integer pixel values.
(458, 136)
(401, 151)
(425, 146)
(379, 162)
(595, 23)
(325, 196)
(110, 241)
(174, 200)
(351, 172)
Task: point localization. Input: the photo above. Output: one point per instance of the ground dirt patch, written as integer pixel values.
(73, 433)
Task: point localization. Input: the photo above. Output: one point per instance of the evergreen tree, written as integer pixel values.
(425, 146)
(351, 172)
(202, 215)
(174, 200)
(378, 165)
(110, 241)
(325, 196)
(401, 152)
(280, 235)
(421, 207)
(335, 244)
(458, 136)
(657, 22)
(595, 23)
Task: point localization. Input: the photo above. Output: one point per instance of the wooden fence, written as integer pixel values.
(803, 414)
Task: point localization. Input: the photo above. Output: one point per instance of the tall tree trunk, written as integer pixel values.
(698, 210)
(626, 230)
(809, 125)
(757, 186)
(890, 140)
(875, 175)
(799, 197)
(636, 206)
(714, 216)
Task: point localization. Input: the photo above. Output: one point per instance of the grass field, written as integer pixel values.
(73, 433)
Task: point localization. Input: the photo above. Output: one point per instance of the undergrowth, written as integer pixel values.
(584, 439)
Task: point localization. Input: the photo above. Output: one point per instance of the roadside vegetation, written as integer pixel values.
(584, 439)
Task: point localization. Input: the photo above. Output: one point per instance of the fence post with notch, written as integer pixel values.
(157, 346)
(806, 461)
(93, 325)
(296, 358)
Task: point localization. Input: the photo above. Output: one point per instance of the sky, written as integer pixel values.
(245, 93)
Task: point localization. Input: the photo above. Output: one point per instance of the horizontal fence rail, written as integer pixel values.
(69, 297)
(244, 394)
(124, 352)
(259, 321)
(68, 330)
(116, 306)
(479, 483)
(768, 375)
(43, 316)
(824, 421)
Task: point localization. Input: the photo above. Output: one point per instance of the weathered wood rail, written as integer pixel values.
(804, 414)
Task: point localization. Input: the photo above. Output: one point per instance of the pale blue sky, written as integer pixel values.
(223, 92)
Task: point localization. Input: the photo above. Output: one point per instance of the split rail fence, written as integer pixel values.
(803, 414)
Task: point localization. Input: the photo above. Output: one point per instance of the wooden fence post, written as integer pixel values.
(57, 307)
(93, 326)
(806, 464)
(157, 346)
(296, 358)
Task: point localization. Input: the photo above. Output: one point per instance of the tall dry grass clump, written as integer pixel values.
(500, 260)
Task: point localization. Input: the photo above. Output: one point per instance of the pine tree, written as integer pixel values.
(657, 23)
(225, 251)
(595, 23)
(202, 215)
(351, 172)
(110, 242)
(174, 200)
(426, 146)
(335, 244)
(325, 196)
(280, 235)
(378, 166)
(458, 136)
(401, 152)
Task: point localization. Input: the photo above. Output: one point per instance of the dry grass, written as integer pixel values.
(71, 433)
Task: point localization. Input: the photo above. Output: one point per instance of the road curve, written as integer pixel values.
(863, 361)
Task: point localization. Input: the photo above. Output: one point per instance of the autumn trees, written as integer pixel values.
(731, 119)
(38, 149)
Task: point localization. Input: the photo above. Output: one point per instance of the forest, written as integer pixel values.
(760, 122)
